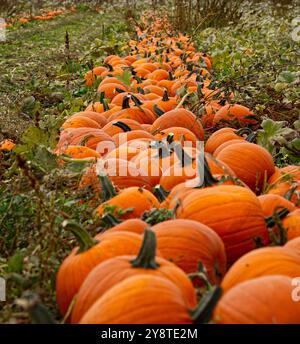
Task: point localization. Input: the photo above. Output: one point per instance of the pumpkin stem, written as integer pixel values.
(159, 112)
(170, 77)
(125, 102)
(136, 100)
(250, 138)
(202, 275)
(165, 97)
(105, 104)
(107, 189)
(85, 241)
(140, 90)
(184, 158)
(280, 215)
(160, 193)
(109, 66)
(138, 79)
(122, 125)
(110, 220)
(243, 131)
(203, 312)
(209, 179)
(146, 256)
(102, 96)
(289, 194)
(170, 138)
(119, 90)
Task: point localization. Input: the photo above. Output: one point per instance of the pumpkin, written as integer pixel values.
(179, 118)
(219, 137)
(81, 152)
(235, 112)
(262, 262)
(124, 125)
(262, 300)
(251, 163)
(292, 224)
(129, 301)
(294, 244)
(129, 203)
(131, 225)
(226, 209)
(273, 203)
(115, 270)
(84, 258)
(186, 243)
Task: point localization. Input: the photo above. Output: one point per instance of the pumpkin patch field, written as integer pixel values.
(153, 174)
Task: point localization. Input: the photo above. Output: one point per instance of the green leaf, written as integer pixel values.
(46, 159)
(287, 76)
(126, 77)
(15, 263)
(297, 125)
(34, 136)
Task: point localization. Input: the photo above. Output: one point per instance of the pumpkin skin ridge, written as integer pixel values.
(245, 268)
(149, 286)
(86, 261)
(123, 268)
(198, 209)
(261, 290)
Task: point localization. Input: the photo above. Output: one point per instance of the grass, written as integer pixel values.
(39, 76)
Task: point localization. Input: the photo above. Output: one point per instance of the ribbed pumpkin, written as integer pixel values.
(115, 270)
(84, 258)
(294, 245)
(292, 224)
(78, 136)
(263, 300)
(226, 210)
(252, 163)
(129, 203)
(262, 262)
(130, 302)
(187, 242)
(273, 203)
(220, 136)
(179, 118)
(131, 225)
(235, 112)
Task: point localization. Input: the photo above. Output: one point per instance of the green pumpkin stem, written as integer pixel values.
(110, 220)
(251, 138)
(146, 256)
(160, 193)
(203, 312)
(159, 112)
(243, 131)
(122, 126)
(108, 190)
(280, 215)
(125, 102)
(209, 179)
(165, 97)
(85, 241)
(105, 104)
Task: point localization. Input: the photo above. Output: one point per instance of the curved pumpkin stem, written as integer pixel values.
(110, 220)
(146, 256)
(85, 241)
(136, 100)
(203, 312)
(108, 190)
(271, 220)
(109, 66)
(160, 193)
(170, 138)
(243, 131)
(122, 125)
(159, 112)
(125, 102)
(289, 194)
(165, 97)
(250, 138)
(209, 179)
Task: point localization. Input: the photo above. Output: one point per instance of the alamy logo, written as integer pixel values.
(2, 289)
(296, 290)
